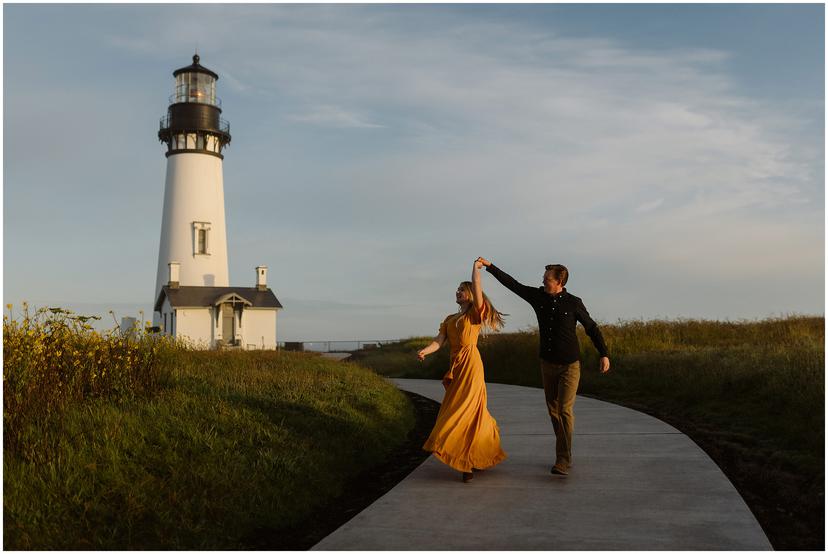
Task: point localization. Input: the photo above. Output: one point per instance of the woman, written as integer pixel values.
(466, 436)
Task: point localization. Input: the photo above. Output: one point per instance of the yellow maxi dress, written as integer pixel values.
(466, 435)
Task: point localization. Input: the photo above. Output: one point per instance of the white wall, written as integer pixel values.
(195, 324)
(194, 191)
(259, 328)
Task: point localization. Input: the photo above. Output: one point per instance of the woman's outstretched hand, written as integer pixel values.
(483, 262)
(433, 347)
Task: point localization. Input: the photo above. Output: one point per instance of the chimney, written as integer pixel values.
(174, 268)
(261, 277)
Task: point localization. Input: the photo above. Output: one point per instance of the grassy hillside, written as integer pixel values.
(179, 449)
(752, 394)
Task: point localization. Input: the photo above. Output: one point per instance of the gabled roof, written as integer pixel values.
(202, 297)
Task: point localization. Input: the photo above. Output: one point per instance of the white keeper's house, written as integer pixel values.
(193, 296)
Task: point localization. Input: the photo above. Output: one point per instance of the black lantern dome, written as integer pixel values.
(193, 122)
(195, 67)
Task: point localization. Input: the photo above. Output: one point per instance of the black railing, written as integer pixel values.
(335, 345)
(224, 125)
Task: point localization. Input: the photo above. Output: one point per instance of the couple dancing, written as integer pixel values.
(466, 436)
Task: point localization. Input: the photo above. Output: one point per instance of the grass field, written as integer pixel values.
(752, 394)
(113, 443)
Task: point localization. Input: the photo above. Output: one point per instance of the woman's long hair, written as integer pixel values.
(493, 319)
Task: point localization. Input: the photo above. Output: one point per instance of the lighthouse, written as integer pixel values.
(193, 231)
(193, 297)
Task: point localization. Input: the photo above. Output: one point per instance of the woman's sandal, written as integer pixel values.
(467, 476)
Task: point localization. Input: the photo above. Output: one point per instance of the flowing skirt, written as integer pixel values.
(466, 435)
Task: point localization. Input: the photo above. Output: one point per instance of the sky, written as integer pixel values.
(671, 156)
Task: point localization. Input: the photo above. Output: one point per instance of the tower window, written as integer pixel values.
(201, 238)
(202, 241)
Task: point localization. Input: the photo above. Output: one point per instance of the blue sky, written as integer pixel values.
(672, 156)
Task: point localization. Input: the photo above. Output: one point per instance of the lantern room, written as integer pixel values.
(193, 123)
(195, 83)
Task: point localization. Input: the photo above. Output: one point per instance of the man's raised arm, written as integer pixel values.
(507, 280)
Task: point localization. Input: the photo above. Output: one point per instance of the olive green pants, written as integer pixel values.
(560, 383)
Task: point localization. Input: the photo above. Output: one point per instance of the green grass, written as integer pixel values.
(228, 445)
(752, 393)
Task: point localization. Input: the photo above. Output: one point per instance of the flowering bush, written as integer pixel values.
(54, 358)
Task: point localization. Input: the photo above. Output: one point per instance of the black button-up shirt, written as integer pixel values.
(557, 317)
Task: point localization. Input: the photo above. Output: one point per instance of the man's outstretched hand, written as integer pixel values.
(605, 365)
(484, 261)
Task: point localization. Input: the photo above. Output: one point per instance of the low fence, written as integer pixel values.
(335, 345)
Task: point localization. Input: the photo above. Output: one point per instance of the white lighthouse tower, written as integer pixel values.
(193, 231)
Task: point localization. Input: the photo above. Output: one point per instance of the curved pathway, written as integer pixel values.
(636, 484)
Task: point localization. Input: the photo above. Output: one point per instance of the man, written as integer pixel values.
(558, 312)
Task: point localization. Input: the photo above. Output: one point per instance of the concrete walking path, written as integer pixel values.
(636, 484)
(338, 356)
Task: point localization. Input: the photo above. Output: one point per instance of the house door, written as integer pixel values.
(228, 323)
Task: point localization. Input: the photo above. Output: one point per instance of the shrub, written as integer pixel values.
(54, 359)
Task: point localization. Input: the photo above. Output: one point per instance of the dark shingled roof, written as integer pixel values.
(190, 297)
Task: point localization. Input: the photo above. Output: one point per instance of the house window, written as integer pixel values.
(201, 238)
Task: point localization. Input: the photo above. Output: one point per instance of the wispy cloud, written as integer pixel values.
(333, 116)
(649, 206)
(136, 44)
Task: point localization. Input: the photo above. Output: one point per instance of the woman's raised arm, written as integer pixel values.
(477, 285)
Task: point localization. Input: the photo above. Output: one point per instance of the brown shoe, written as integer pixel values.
(559, 470)
(467, 476)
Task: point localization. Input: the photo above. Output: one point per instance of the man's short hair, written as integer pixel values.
(559, 272)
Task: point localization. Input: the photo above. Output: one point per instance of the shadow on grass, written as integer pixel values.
(359, 492)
